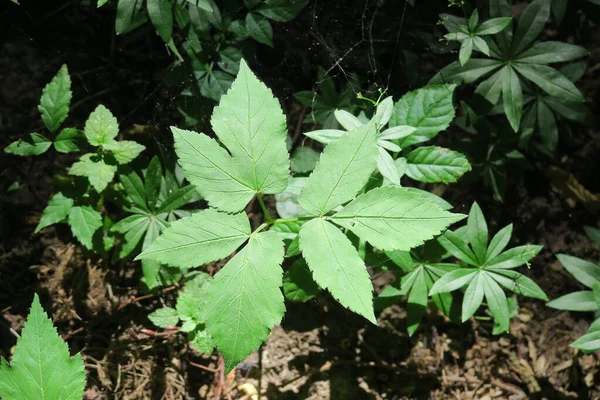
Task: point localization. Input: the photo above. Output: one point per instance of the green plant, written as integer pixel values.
(79, 200)
(517, 63)
(244, 299)
(588, 274)
(41, 367)
(153, 202)
(487, 268)
(190, 309)
(417, 117)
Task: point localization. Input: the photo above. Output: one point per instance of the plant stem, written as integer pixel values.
(264, 208)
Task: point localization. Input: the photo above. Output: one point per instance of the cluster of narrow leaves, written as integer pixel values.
(588, 274)
(244, 300)
(153, 202)
(417, 117)
(517, 67)
(41, 367)
(486, 267)
(190, 310)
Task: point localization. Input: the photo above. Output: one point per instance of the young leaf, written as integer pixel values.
(384, 111)
(204, 237)
(530, 25)
(478, 232)
(161, 15)
(101, 126)
(436, 164)
(344, 168)
(337, 267)
(41, 367)
(584, 271)
(245, 298)
(57, 210)
(56, 99)
(347, 120)
(259, 29)
(551, 52)
(577, 301)
(493, 26)
(387, 167)
(201, 341)
(325, 136)
(124, 151)
(473, 296)
(512, 97)
(99, 173)
(393, 218)
(430, 110)
(466, 49)
(550, 81)
(69, 140)
(164, 317)
(497, 302)
(34, 145)
(84, 222)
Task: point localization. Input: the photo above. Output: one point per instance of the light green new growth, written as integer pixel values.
(41, 367)
(56, 99)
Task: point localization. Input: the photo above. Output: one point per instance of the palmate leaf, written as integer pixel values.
(56, 99)
(393, 218)
(250, 123)
(343, 169)
(207, 236)
(245, 298)
(41, 367)
(336, 266)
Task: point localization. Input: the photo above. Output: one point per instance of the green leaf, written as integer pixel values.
(134, 227)
(259, 29)
(250, 123)
(474, 69)
(161, 15)
(436, 164)
(518, 283)
(177, 199)
(466, 49)
(124, 151)
(550, 81)
(498, 242)
(473, 20)
(325, 136)
(416, 304)
(477, 232)
(134, 188)
(56, 99)
(491, 88)
(344, 168)
(384, 110)
(101, 126)
(387, 166)
(456, 246)
(57, 210)
(69, 140)
(497, 302)
(548, 127)
(584, 271)
(204, 237)
(576, 112)
(347, 120)
(481, 45)
(576, 301)
(593, 234)
(129, 16)
(152, 181)
(41, 367)
(453, 280)
(512, 97)
(286, 203)
(245, 298)
(392, 218)
(473, 296)
(164, 317)
(551, 52)
(33, 145)
(515, 257)
(430, 110)
(281, 10)
(304, 159)
(396, 132)
(493, 26)
(530, 25)
(337, 267)
(298, 284)
(85, 222)
(98, 172)
(201, 341)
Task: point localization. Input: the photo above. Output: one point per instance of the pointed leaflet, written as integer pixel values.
(250, 123)
(496, 301)
(392, 218)
(204, 237)
(84, 222)
(33, 145)
(473, 297)
(512, 97)
(337, 267)
(436, 164)
(477, 232)
(245, 297)
(98, 172)
(57, 210)
(124, 151)
(550, 81)
(41, 367)
(344, 168)
(56, 99)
